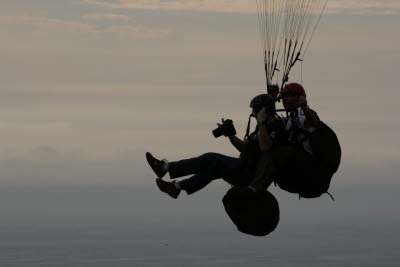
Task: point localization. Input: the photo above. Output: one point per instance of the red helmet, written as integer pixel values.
(294, 90)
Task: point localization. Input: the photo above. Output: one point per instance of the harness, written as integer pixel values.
(298, 136)
(295, 130)
(247, 135)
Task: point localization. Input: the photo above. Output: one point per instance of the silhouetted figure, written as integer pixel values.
(238, 171)
(306, 163)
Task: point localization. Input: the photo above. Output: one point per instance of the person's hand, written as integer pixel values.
(227, 127)
(303, 101)
(219, 124)
(262, 115)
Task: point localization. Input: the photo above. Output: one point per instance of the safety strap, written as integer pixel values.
(330, 195)
(248, 128)
(325, 193)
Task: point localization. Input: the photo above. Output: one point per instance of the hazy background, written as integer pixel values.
(88, 86)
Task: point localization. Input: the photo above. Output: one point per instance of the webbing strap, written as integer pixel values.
(248, 128)
(330, 195)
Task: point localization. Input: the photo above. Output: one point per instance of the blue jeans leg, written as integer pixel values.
(206, 168)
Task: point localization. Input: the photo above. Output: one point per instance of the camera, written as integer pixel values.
(226, 129)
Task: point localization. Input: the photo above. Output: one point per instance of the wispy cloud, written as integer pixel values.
(362, 4)
(139, 31)
(45, 25)
(361, 7)
(244, 6)
(364, 7)
(106, 16)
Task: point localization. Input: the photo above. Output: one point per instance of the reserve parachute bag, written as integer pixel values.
(253, 213)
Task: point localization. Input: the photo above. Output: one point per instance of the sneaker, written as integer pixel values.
(168, 187)
(156, 165)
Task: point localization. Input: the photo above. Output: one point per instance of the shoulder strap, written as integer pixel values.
(248, 128)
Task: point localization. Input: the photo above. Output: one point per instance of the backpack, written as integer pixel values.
(310, 177)
(326, 147)
(253, 213)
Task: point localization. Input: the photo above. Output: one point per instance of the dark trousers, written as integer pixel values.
(206, 168)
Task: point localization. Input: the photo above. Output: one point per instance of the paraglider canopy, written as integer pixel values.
(287, 28)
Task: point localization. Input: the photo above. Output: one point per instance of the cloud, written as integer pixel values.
(360, 7)
(42, 24)
(106, 16)
(138, 32)
(364, 4)
(364, 7)
(46, 24)
(244, 6)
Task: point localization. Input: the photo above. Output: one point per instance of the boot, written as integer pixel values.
(168, 187)
(156, 165)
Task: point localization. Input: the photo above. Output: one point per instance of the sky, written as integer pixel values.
(88, 86)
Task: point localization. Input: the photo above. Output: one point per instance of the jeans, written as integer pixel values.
(206, 168)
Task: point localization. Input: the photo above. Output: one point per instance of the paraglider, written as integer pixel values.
(287, 28)
(313, 150)
(300, 138)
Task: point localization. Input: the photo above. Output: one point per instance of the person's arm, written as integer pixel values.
(264, 165)
(264, 139)
(239, 144)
